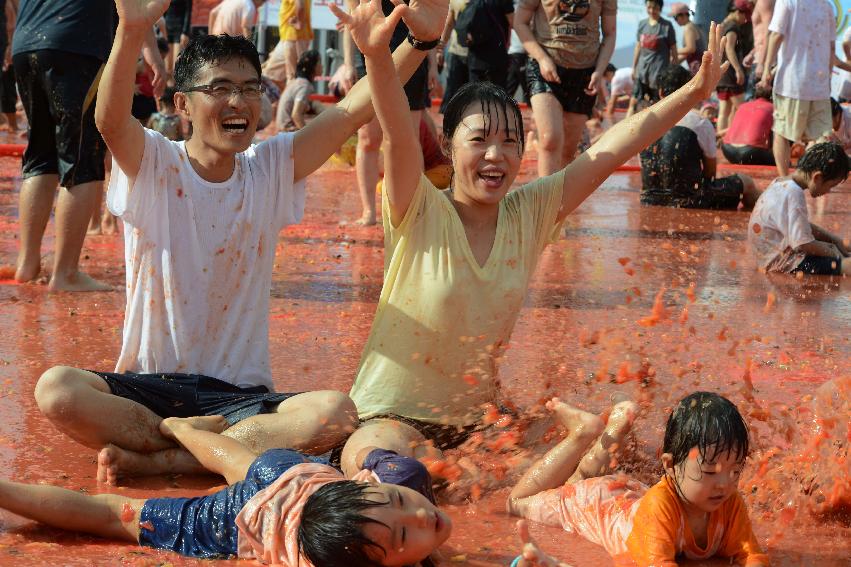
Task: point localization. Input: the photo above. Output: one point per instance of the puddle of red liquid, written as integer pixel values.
(578, 329)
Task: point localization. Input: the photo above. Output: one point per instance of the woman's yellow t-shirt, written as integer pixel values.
(443, 320)
(286, 30)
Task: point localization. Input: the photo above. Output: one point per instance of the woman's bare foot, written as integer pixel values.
(213, 423)
(79, 281)
(368, 219)
(27, 268)
(576, 420)
(115, 463)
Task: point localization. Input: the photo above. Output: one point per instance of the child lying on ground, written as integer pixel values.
(695, 510)
(281, 507)
(780, 233)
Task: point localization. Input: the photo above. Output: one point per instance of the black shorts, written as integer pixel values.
(720, 194)
(820, 266)
(747, 155)
(174, 27)
(642, 91)
(63, 138)
(189, 395)
(416, 89)
(570, 92)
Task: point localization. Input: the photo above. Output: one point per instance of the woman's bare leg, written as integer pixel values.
(104, 515)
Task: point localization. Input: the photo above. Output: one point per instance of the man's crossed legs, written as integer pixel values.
(127, 434)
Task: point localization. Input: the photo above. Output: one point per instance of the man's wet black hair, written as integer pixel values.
(659, 3)
(611, 68)
(168, 96)
(835, 107)
(827, 157)
(162, 45)
(490, 97)
(709, 422)
(306, 65)
(212, 50)
(672, 78)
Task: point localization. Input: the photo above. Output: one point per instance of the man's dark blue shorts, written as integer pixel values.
(189, 395)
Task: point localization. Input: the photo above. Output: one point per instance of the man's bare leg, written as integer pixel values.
(217, 453)
(35, 203)
(131, 443)
(95, 221)
(73, 211)
(366, 168)
(104, 515)
(573, 125)
(548, 113)
(782, 149)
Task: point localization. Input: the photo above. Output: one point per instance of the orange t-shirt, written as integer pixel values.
(660, 531)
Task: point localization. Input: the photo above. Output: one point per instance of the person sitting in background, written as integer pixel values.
(694, 44)
(295, 103)
(748, 139)
(780, 233)
(621, 91)
(679, 169)
(841, 125)
(166, 121)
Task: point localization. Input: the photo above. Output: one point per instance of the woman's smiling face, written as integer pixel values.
(486, 154)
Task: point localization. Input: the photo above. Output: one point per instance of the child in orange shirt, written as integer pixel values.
(694, 511)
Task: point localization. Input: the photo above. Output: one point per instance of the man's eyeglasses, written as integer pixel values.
(251, 91)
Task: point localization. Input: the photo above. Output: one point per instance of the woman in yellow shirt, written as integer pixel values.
(458, 262)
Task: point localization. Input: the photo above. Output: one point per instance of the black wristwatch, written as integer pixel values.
(422, 45)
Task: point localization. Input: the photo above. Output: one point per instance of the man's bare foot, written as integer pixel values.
(27, 268)
(109, 224)
(576, 420)
(77, 282)
(214, 423)
(115, 463)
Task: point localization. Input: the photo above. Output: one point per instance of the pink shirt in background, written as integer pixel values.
(234, 16)
(751, 125)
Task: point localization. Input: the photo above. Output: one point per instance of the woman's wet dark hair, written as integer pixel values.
(827, 157)
(672, 78)
(489, 97)
(306, 66)
(210, 50)
(709, 422)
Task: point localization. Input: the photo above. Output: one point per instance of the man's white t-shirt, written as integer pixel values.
(199, 259)
(705, 132)
(779, 224)
(234, 16)
(804, 62)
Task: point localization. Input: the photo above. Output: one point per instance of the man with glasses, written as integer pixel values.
(202, 219)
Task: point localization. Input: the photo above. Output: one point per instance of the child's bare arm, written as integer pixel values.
(217, 453)
(627, 138)
(826, 236)
(122, 133)
(820, 248)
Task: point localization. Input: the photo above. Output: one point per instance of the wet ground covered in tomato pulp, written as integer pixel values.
(579, 334)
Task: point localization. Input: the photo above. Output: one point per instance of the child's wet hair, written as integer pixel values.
(211, 50)
(710, 422)
(490, 97)
(306, 65)
(672, 78)
(827, 157)
(331, 529)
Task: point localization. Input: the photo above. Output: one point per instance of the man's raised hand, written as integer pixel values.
(141, 12)
(369, 29)
(425, 18)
